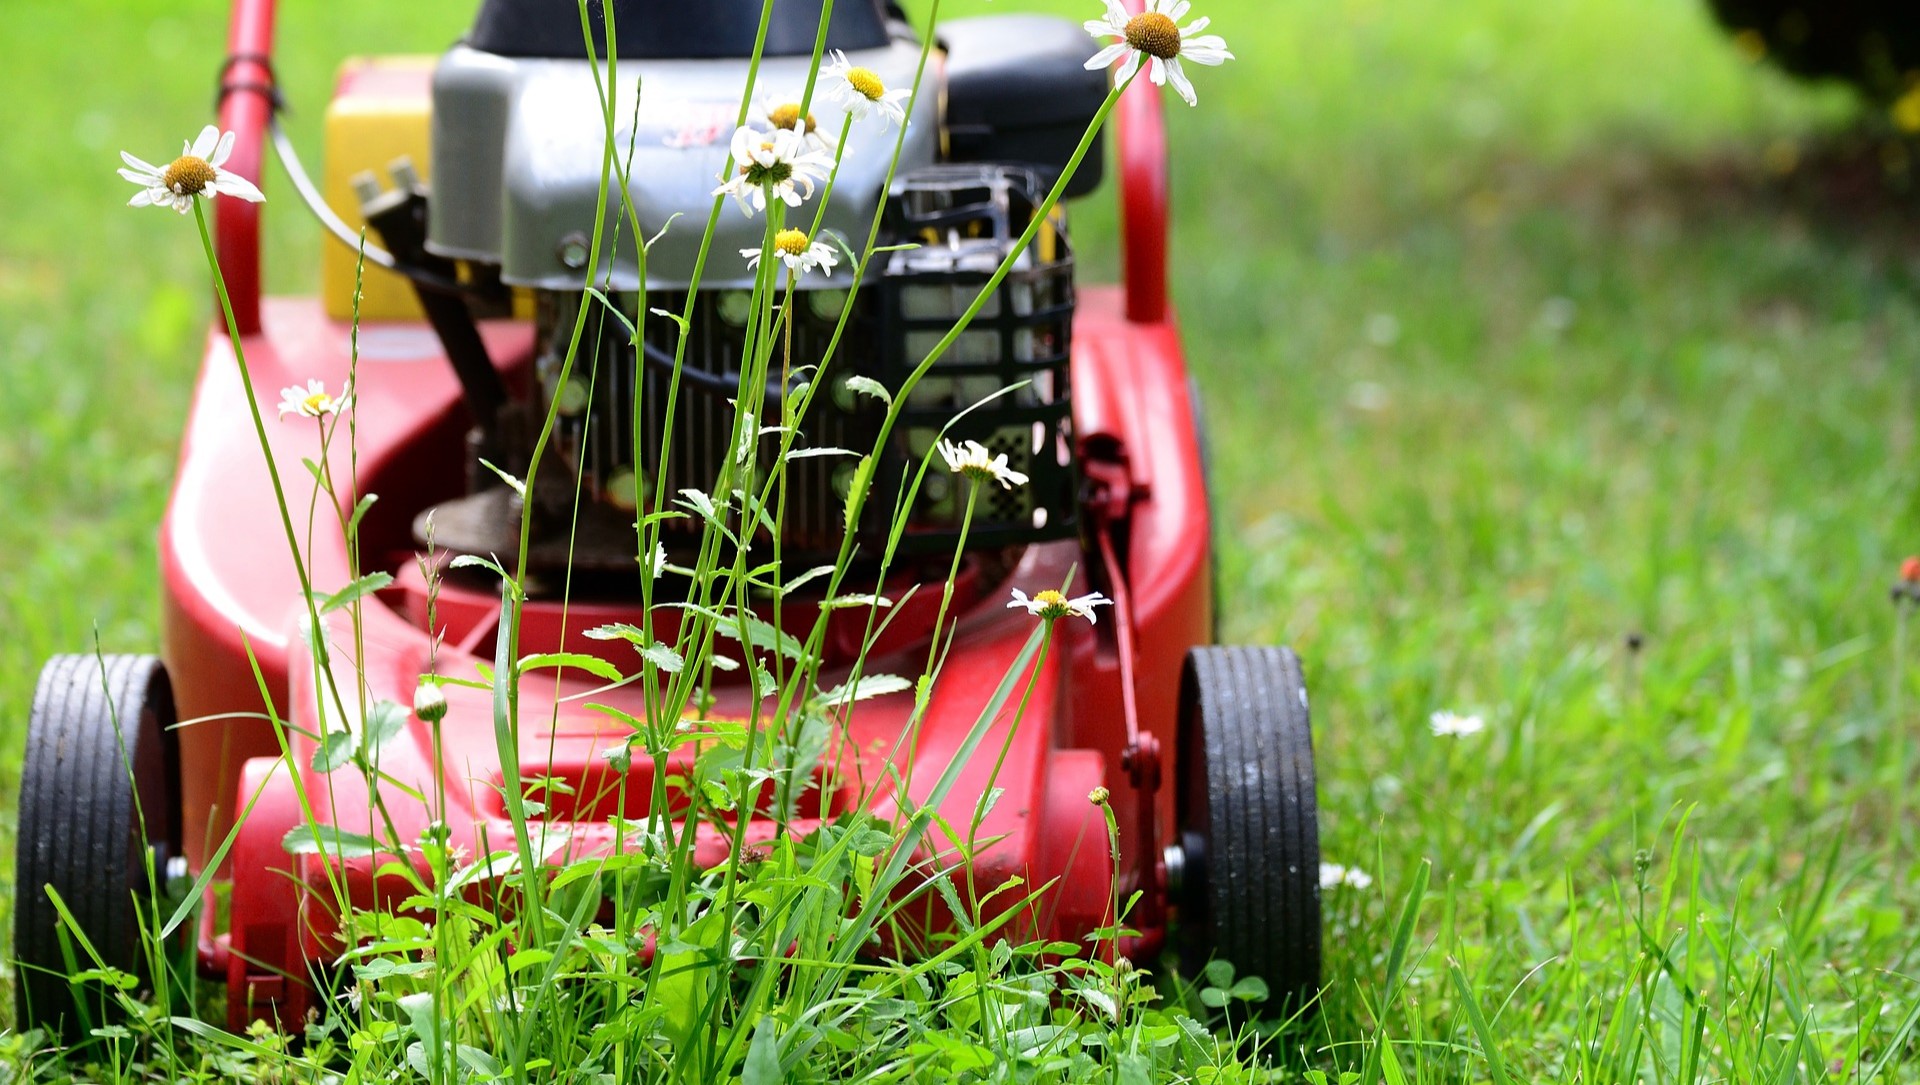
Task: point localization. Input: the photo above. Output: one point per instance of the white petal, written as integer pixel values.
(138, 178)
(1178, 9)
(1194, 27)
(1179, 80)
(221, 150)
(1157, 71)
(1210, 50)
(141, 198)
(232, 184)
(1107, 56)
(1131, 65)
(139, 164)
(1101, 29)
(1117, 13)
(204, 143)
(182, 204)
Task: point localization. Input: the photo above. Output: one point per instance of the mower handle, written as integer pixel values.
(246, 105)
(1142, 137)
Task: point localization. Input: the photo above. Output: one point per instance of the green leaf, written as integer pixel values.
(763, 1057)
(513, 484)
(1250, 989)
(857, 489)
(1496, 1067)
(325, 839)
(872, 685)
(497, 865)
(844, 602)
(360, 511)
(385, 722)
(335, 749)
(664, 657)
(354, 592)
(699, 502)
(870, 387)
(593, 665)
(868, 842)
(1220, 973)
(675, 317)
(466, 561)
(617, 631)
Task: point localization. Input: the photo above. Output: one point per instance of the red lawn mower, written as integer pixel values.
(471, 292)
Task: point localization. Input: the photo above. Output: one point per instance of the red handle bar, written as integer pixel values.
(1142, 137)
(246, 106)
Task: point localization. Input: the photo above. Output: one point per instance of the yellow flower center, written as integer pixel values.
(187, 175)
(787, 115)
(1050, 599)
(1154, 34)
(867, 82)
(317, 403)
(791, 242)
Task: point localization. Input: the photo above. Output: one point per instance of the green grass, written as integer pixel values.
(1515, 343)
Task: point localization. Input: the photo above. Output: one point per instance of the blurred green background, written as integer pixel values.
(1524, 324)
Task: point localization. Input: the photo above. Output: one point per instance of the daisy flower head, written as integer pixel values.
(1453, 725)
(313, 401)
(1155, 38)
(861, 91)
(782, 111)
(799, 252)
(196, 171)
(1334, 876)
(1051, 604)
(977, 462)
(779, 164)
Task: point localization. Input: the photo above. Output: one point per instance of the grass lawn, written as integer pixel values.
(1527, 326)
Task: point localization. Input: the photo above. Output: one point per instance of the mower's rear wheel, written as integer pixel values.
(1250, 839)
(98, 792)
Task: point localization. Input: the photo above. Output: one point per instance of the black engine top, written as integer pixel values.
(673, 29)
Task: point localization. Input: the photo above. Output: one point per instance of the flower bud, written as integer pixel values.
(1098, 796)
(429, 703)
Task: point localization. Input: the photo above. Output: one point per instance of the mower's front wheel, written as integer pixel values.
(1250, 842)
(98, 796)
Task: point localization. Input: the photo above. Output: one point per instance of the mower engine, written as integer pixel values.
(519, 145)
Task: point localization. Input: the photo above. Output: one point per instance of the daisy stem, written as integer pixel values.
(826, 190)
(946, 592)
(253, 411)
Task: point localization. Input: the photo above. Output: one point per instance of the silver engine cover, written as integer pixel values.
(517, 151)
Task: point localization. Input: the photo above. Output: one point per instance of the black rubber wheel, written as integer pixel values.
(1250, 839)
(98, 738)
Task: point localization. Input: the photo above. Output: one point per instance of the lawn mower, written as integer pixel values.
(477, 262)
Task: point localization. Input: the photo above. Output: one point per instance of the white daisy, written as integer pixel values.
(1051, 604)
(311, 401)
(779, 163)
(977, 462)
(1453, 725)
(800, 253)
(197, 170)
(861, 91)
(783, 111)
(1333, 876)
(1154, 38)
